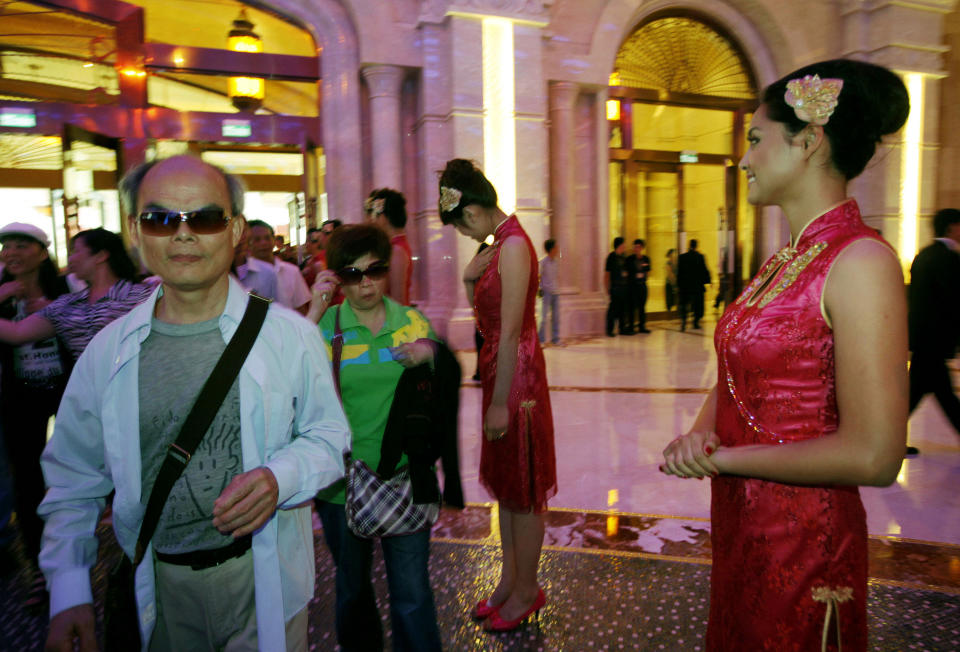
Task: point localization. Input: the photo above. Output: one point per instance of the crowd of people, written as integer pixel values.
(316, 404)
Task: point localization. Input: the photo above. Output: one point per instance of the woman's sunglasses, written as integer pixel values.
(352, 275)
(205, 221)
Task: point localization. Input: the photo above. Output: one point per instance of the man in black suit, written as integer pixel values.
(692, 276)
(934, 315)
(638, 268)
(615, 282)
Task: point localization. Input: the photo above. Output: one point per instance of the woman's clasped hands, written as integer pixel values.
(690, 455)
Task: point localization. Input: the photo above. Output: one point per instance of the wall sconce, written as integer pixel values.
(246, 93)
(613, 110)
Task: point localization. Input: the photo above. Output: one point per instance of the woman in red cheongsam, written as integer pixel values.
(517, 464)
(811, 398)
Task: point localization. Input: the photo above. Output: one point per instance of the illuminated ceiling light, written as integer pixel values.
(615, 78)
(910, 170)
(88, 64)
(613, 110)
(246, 93)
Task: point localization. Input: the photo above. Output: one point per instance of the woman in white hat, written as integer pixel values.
(34, 375)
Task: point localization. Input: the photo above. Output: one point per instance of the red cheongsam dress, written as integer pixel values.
(789, 561)
(518, 470)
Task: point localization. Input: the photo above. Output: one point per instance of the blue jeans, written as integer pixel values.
(413, 615)
(549, 302)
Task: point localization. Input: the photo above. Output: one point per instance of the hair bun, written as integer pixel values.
(890, 100)
(460, 166)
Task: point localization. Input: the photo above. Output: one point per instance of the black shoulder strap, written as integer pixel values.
(337, 346)
(201, 416)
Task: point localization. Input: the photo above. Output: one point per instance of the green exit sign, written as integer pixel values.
(17, 117)
(689, 156)
(236, 128)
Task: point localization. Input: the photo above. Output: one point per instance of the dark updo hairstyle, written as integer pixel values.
(873, 103)
(353, 241)
(474, 187)
(97, 240)
(394, 206)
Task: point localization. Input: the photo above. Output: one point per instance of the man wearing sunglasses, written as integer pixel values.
(231, 564)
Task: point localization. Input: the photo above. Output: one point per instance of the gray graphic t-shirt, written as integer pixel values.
(175, 361)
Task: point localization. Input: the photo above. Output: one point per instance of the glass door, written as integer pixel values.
(653, 211)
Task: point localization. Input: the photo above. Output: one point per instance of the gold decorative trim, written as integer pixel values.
(783, 269)
(790, 274)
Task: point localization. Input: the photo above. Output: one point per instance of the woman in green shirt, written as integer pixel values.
(380, 339)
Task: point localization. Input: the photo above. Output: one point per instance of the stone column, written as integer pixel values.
(384, 82)
(335, 34)
(563, 192)
(450, 125)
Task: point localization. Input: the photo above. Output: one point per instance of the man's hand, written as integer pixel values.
(247, 503)
(74, 624)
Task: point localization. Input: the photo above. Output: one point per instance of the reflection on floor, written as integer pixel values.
(625, 563)
(893, 561)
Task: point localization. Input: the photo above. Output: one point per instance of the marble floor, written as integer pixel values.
(618, 401)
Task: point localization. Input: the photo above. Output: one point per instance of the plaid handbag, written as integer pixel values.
(383, 508)
(377, 507)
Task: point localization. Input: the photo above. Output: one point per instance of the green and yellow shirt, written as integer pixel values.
(369, 375)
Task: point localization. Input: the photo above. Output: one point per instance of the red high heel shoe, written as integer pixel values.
(483, 610)
(497, 624)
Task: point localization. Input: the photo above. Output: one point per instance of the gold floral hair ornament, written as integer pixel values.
(813, 99)
(376, 206)
(449, 198)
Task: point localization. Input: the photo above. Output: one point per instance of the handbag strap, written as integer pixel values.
(201, 415)
(337, 346)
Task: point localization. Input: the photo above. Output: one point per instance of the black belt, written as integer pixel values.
(200, 559)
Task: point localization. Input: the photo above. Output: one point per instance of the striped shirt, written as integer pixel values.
(76, 320)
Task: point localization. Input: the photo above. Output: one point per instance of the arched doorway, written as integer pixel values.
(680, 95)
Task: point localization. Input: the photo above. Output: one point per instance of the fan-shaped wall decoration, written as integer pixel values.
(683, 55)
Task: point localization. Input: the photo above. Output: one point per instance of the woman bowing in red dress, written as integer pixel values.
(517, 464)
(811, 399)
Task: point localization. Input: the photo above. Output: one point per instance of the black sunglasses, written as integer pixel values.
(375, 271)
(204, 221)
